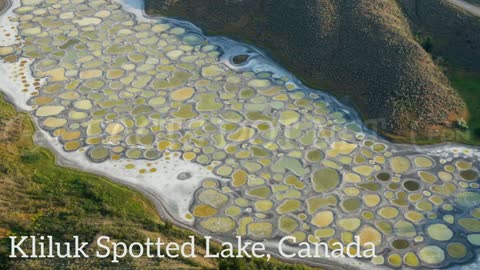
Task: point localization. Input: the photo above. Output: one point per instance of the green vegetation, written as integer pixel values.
(38, 197)
(466, 131)
(426, 43)
(468, 85)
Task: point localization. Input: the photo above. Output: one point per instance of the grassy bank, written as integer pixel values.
(38, 197)
(468, 85)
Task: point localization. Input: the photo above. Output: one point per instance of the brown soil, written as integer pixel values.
(362, 51)
(10, 130)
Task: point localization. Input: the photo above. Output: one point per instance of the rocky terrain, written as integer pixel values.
(362, 51)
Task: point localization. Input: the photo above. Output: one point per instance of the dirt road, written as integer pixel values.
(475, 10)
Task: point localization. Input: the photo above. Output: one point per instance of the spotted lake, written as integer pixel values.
(230, 145)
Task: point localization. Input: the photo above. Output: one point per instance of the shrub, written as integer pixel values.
(29, 157)
(427, 44)
(462, 124)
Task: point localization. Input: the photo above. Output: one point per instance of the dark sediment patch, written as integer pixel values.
(240, 59)
(411, 185)
(184, 176)
(383, 176)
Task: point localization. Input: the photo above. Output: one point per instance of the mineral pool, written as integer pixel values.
(132, 95)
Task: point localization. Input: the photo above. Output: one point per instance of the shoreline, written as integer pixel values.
(44, 139)
(39, 139)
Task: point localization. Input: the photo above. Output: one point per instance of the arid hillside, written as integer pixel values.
(454, 33)
(362, 51)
